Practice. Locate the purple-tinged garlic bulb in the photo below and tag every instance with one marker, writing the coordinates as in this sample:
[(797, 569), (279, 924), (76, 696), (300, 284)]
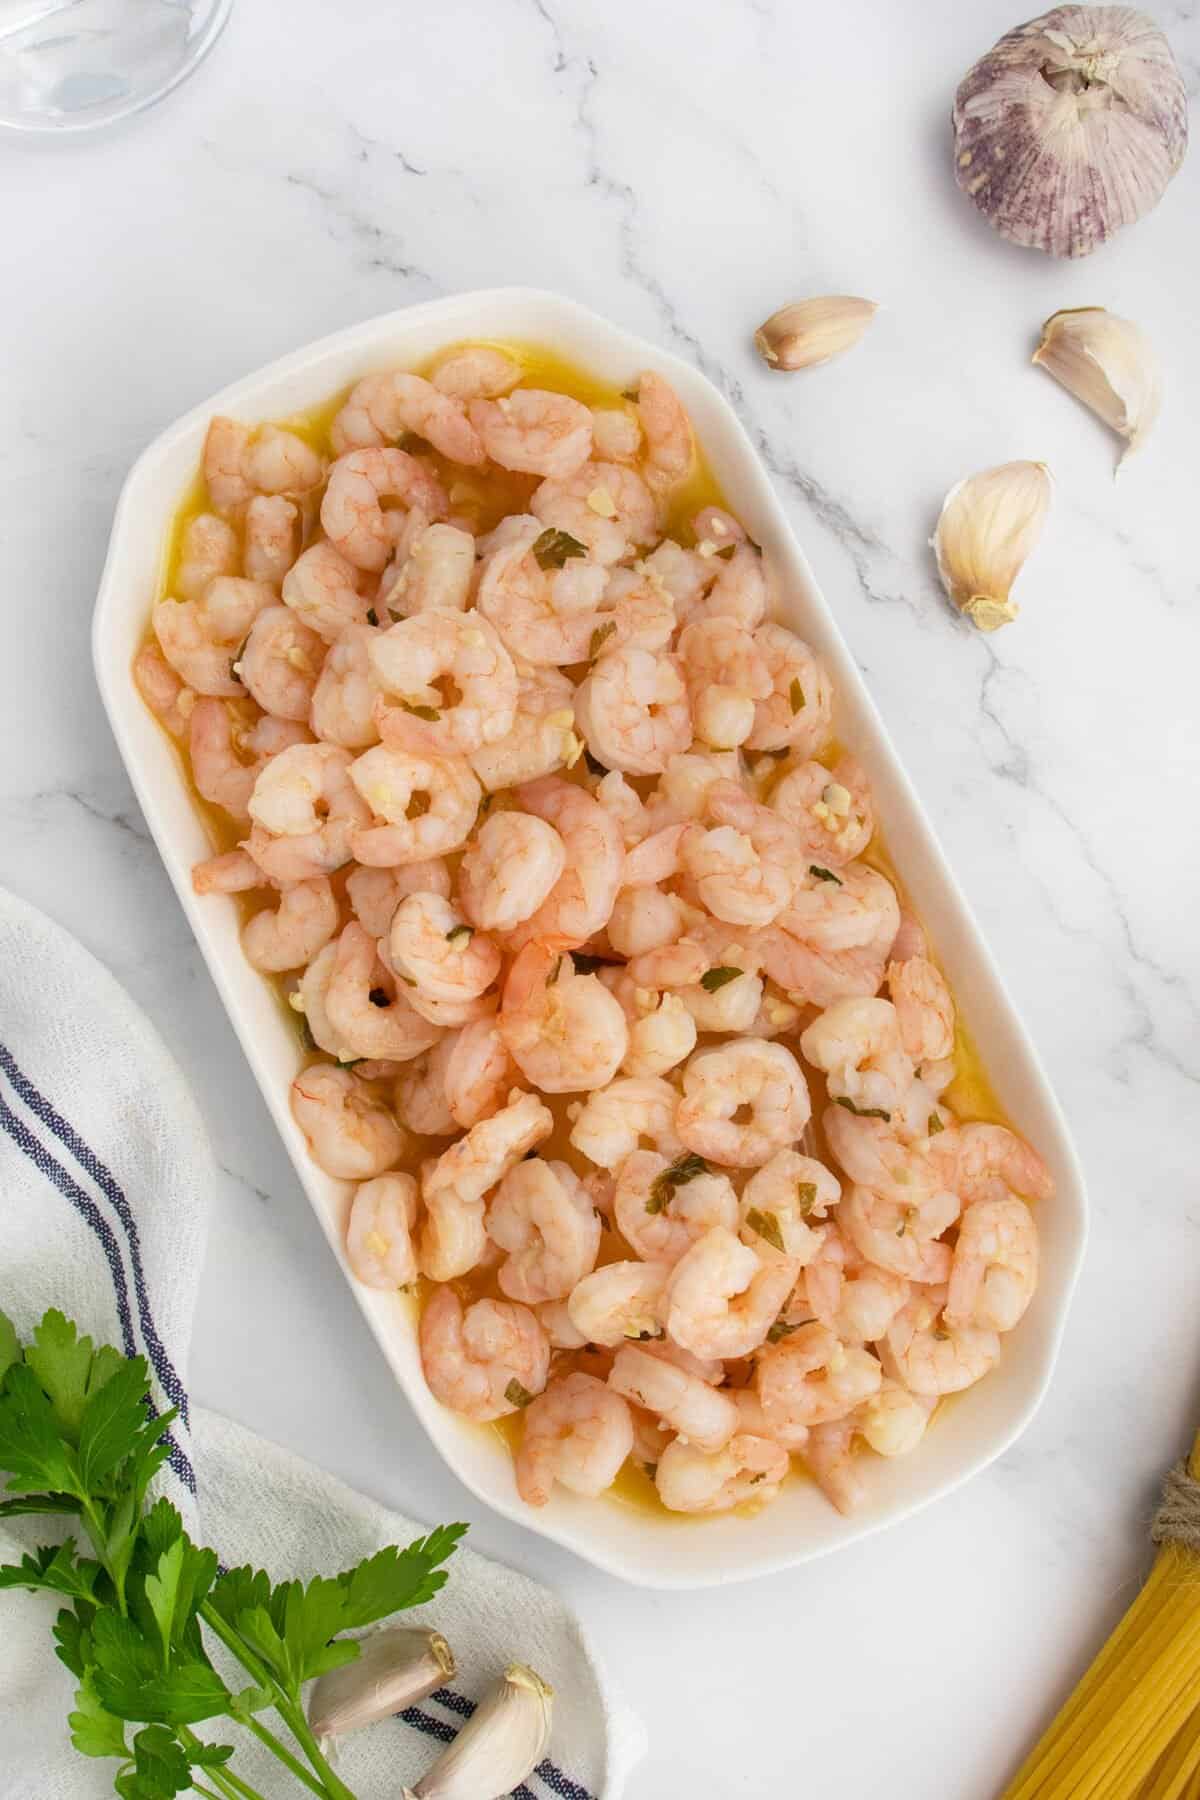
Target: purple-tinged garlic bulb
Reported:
[(1070, 127)]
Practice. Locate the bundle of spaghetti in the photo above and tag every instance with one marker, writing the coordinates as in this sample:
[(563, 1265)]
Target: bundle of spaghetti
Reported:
[(1131, 1729)]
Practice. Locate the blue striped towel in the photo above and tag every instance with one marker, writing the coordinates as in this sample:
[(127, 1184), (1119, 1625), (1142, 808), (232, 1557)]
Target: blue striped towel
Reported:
[(105, 1170)]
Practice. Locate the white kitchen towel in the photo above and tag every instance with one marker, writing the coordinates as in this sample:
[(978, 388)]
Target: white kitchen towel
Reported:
[(105, 1170)]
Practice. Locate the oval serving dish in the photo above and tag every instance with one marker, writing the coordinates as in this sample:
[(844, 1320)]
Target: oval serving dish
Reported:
[(652, 1549)]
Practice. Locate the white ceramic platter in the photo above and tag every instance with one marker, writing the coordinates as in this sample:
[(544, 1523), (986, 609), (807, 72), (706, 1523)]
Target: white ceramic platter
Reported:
[(636, 1544)]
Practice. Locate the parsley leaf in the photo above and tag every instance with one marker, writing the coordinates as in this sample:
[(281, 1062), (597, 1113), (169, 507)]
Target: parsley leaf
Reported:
[(863, 1112), (716, 978), (466, 932), (10, 1345), (131, 1682), (553, 548), (765, 1225), (160, 1764), (516, 1395), (31, 1446), (113, 1423), (685, 1168), (429, 713), (599, 638), (56, 1567), (796, 695), (821, 874), (62, 1363), (95, 1732)]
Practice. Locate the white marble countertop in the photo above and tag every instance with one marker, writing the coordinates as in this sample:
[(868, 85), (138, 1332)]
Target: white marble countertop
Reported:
[(685, 169)]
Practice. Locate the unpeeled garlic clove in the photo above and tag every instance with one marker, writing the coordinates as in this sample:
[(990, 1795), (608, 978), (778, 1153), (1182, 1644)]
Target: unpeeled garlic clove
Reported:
[(988, 525), (1108, 363), (808, 332), (502, 1742), (393, 1669)]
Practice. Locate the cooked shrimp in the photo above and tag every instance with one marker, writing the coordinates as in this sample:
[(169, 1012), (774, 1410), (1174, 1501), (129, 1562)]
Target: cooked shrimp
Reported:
[(289, 937), (660, 1040), (605, 506), (635, 610), (752, 1419), (858, 1306), (714, 527), (685, 575), (830, 809), (819, 977), (473, 1359), (200, 638), (541, 737), (305, 813), (781, 1204), (845, 913), (225, 447), (811, 1377), (379, 1245), (633, 712), (169, 698), (661, 1209), (555, 1321), (450, 1014), (872, 1154), (657, 856), (437, 573), (419, 1094), (208, 548), (565, 1031), (536, 432), (479, 1072), (900, 1235), (700, 1414), (544, 615), (741, 591), (829, 1458), (280, 663), (721, 1299), (928, 1355), (621, 1300), (543, 1216), (276, 461), (798, 713), (690, 1480), (616, 435), (375, 894), (745, 1073), (364, 1015), (344, 698), (581, 900), (428, 804), (667, 431), (489, 1149), (893, 1421), (381, 408), (322, 589), (727, 803), (725, 677), (924, 1009), (989, 1162), (578, 1433), (613, 1122), (232, 873), (644, 918), (508, 869), (352, 510), (221, 775), (733, 1007), (453, 1238), (995, 1268), (734, 881), (431, 943), (857, 1044), (476, 372), (271, 526), (350, 1135), (448, 684)]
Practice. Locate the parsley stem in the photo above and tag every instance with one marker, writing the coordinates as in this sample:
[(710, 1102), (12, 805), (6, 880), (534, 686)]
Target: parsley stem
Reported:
[(289, 1710)]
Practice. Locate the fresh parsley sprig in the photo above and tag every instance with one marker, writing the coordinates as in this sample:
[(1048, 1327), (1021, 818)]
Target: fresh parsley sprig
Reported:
[(79, 1438)]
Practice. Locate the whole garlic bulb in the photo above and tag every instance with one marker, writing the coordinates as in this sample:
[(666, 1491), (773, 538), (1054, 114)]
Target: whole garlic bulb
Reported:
[(1070, 127)]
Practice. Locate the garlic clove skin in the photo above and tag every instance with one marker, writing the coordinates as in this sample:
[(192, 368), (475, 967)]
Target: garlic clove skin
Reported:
[(806, 333), (988, 525), (1108, 363), (1071, 127), (502, 1742), (394, 1668)]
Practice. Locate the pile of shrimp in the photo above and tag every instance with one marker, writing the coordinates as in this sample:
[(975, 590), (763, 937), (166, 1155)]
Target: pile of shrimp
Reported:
[(553, 852)]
